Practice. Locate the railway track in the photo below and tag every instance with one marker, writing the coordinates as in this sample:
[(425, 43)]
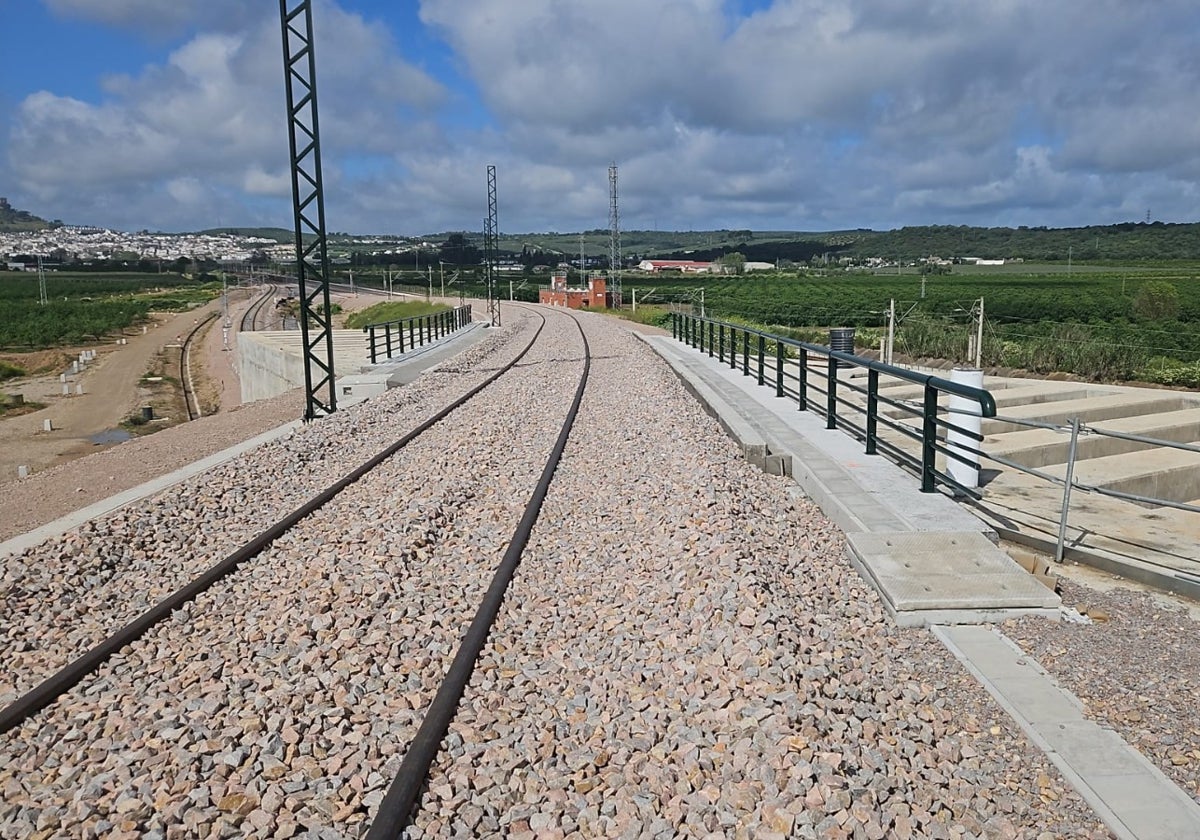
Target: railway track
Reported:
[(191, 401), (104, 661), (250, 318)]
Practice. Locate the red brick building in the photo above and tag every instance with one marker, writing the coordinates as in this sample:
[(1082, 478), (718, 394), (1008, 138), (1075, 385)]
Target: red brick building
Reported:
[(594, 296)]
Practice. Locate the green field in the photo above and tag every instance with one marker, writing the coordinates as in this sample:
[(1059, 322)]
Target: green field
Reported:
[(85, 307), (1102, 322), (382, 313)]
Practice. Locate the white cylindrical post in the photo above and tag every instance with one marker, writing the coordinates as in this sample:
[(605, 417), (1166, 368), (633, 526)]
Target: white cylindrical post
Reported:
[(79, 388), (75, 367), (66, 389), (62, 377), (964, 421), (47, 425), (22, 472)]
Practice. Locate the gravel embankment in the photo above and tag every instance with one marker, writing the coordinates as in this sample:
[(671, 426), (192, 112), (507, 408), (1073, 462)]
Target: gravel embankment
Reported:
[(45, 496), (683, 652), (1138, 672)]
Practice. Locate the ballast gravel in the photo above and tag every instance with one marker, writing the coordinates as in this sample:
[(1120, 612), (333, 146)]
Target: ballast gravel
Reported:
[(684, 651)]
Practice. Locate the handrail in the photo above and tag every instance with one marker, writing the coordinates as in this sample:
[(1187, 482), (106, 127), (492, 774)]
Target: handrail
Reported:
[(422, 329), (710, 334)]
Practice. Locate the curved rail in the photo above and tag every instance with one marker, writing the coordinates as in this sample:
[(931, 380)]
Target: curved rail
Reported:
[(185, 371), (251, 315), (397, 806), (54, 686)]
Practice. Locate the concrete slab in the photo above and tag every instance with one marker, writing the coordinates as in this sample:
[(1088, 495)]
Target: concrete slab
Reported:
[(929, 578), (1130, 794)]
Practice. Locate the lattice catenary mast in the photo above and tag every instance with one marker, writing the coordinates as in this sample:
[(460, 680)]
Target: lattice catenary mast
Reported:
[(614, 245), (308, 205), (491, 233)]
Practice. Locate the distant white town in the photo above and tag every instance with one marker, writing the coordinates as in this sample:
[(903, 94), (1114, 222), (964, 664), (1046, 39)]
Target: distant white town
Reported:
[(71, 244)]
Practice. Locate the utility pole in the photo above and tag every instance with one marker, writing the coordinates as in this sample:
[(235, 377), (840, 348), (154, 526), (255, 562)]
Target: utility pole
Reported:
[(430, 273), (979, 338), (634, 290), (42, 299), (352, 291), (891, 332), (442, 276), (922, 287), (702, 303)]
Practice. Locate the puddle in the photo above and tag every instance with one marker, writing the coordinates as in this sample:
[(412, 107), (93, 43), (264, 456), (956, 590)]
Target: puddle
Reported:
[(111, 436)]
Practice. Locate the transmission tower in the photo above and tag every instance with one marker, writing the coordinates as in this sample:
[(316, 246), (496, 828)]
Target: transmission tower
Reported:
[(308, 206), (614, 244), (491, 233)]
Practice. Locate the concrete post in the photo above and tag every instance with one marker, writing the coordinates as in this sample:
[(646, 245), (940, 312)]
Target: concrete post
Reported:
[(965, 419), (47, 425), (22, 472)]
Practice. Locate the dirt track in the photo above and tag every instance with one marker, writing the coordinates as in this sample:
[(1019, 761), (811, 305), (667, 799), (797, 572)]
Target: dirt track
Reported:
[(111, 386)]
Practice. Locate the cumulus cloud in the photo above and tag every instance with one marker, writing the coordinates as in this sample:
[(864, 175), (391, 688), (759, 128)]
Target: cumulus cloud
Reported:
[(208, 125), (805, 113)]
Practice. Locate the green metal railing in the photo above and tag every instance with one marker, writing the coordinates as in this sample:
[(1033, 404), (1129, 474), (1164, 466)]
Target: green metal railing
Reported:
[(794, 370), (398, 337)]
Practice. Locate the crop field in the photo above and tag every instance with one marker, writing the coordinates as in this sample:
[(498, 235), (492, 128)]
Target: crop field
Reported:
[(83, 307), (1102, 322)]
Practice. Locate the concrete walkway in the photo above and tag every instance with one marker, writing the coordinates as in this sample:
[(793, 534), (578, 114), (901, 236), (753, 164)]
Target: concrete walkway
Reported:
[(934, 564)]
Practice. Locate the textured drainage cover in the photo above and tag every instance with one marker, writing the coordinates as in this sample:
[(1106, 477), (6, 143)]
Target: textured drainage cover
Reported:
[(947, 571)]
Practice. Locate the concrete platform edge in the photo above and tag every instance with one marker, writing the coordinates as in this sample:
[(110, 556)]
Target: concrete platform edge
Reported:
[(148, 488), (987, 654)]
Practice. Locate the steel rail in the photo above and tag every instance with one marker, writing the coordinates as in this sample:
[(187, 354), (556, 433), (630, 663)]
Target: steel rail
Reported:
[(185, 370), (251, 315), (396, 809), (77, 670)]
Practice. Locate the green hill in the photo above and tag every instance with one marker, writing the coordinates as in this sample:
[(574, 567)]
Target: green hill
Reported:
[(13, 220)]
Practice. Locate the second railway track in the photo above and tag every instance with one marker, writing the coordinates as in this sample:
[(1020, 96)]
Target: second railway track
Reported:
[(462, 508)]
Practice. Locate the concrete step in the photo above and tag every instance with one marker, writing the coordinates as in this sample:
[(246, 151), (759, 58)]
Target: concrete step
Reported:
[(1161, 473), (1089, 409), (1038, 448), (1038, 394)]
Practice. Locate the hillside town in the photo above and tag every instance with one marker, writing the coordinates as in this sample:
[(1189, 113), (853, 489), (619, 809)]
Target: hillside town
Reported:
[(19, 251)]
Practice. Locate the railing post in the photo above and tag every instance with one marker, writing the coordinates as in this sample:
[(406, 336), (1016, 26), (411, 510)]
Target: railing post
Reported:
[(370, 330), (1060, 549), (721, 343), (387, 335), (802, 385), (710, 339), (778, 368), (761, 348), (732, 348), (831, 392), (872, 408), (929, 440), (674, 326), (746, 353)]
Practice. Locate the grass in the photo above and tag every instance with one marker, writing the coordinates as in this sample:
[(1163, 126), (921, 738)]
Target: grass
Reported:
[(381, 313), (10, 371)]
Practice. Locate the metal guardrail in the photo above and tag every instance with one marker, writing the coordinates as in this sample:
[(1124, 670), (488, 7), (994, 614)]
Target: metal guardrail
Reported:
[(1069, 483), (790, 367), (389, 336)]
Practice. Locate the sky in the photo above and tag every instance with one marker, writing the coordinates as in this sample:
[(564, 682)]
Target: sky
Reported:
[(762, 114)]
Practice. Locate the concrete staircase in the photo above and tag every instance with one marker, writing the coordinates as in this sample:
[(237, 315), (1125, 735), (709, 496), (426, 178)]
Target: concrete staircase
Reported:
[(1151, 543)]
